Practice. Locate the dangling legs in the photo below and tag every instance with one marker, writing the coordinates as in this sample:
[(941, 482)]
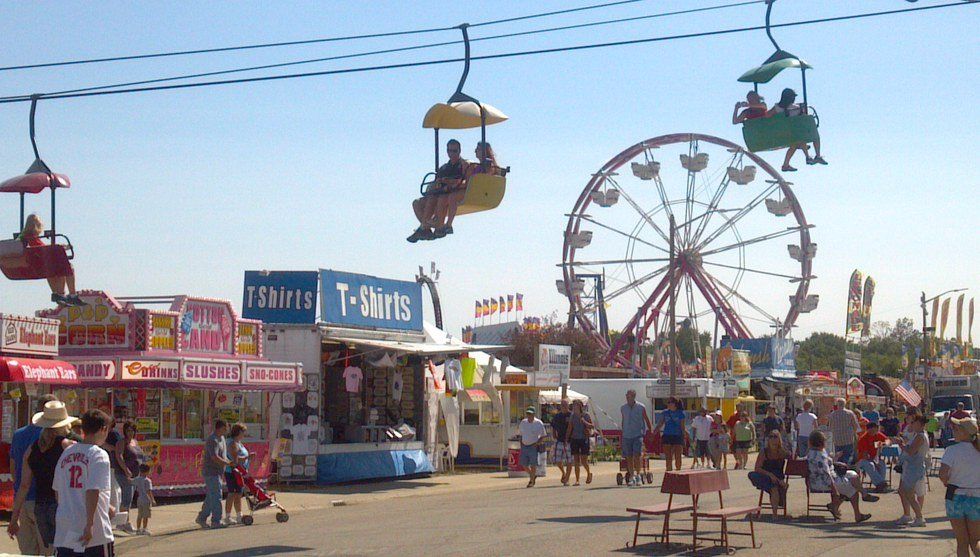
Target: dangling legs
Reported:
[(789, 155)]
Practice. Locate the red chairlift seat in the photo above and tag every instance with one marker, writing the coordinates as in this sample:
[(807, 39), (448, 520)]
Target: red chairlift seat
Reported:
[(33, 261)]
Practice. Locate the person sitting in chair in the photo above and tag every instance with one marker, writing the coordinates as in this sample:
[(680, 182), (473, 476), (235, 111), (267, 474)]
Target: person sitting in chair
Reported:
[(449, 203), (31, 237), (449, 178), (754, 105), (787, 107)]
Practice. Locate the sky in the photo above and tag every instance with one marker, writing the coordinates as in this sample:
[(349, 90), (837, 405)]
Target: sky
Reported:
[(179, 192)]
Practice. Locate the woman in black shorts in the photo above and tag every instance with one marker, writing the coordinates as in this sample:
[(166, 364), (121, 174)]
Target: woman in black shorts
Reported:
[(579, 430)]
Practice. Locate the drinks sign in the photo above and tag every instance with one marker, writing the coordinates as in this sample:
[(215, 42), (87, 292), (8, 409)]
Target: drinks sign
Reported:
[(150, 370), (206, 327), (28, 335)]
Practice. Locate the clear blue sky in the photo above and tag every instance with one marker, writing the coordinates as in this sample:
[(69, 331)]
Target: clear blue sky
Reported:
[(179, 192)]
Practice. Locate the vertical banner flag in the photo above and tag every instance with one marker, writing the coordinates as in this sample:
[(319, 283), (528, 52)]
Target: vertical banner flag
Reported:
[(935, 315), (478, 312), (943, 318), (510, 303), (520, 302), (869, 294), (493, 306), (854, 320), (486, 307), (969, 327), (503, 305), (959, 320)]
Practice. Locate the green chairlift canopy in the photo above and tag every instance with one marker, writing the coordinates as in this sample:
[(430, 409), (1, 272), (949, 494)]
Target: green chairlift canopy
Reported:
[(776, 63)]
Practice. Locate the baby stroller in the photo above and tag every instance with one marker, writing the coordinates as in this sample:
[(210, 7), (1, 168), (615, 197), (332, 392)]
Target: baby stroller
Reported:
[(257, 497)]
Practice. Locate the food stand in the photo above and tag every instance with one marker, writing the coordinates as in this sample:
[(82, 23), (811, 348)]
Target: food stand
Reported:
[(173, 372), (28, 368)]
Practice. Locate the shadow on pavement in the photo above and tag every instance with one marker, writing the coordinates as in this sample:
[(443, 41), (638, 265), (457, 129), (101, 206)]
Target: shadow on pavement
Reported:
[(881, 529), (589, 519), (261, 550), (656, 548)]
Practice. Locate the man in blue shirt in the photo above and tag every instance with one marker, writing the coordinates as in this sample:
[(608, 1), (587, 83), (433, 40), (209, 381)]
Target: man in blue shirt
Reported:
[(28, 538), (871, 414), (635, 424)]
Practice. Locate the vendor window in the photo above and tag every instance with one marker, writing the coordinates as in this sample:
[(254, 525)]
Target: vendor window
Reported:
[(254, 415), (194, 415)]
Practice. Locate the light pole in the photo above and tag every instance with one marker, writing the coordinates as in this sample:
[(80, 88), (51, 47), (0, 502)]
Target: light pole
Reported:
[(926, 345), (670, 311)]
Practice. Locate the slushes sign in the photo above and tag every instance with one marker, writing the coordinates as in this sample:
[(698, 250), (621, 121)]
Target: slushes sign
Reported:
[(370, 302), (280, 296)]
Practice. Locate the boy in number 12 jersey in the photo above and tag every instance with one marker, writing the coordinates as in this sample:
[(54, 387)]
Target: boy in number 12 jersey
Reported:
[(81, 479)]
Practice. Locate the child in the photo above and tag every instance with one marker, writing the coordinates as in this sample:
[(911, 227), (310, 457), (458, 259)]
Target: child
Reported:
[(144, 500), (724, 441), (81, 479)]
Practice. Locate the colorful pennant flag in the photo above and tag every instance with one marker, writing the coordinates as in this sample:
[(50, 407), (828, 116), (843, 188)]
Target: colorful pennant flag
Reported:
[(510, 303), (969, 327), (478, 312), (854, 308), (503, 305), (520, 302), (493, 306), (869, 294), (943, 318), (959, 320), (486, 307)]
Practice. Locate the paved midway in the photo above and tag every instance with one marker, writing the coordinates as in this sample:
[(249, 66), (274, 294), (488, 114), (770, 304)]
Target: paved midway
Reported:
[(489, 514)]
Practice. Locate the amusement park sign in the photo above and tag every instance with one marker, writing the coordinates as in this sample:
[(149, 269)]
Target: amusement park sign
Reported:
[(28, 335)]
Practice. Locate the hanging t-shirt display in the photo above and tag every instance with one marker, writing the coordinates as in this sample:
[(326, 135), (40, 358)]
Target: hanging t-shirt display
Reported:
[(352, 377), (397, 382), (454, 375)]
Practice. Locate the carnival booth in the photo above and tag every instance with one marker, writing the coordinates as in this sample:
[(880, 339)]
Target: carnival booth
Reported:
[(28, 369), (823, 388), (172, 372), (370, 409)]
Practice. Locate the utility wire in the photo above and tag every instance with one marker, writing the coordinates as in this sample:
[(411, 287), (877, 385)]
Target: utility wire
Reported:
[(307, 41), (26, 98), (391, 50)]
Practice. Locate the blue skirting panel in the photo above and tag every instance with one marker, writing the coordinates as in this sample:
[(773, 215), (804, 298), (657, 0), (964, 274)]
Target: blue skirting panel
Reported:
[(348, 467)]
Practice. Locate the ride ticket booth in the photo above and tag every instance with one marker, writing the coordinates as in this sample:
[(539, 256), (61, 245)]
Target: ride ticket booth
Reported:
[(28, 368), (172, 372)]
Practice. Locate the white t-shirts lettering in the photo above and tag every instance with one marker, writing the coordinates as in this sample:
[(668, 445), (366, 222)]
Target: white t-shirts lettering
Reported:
[(806, 422), (964, 468), (352, 378), (531, 431), (82, 467), (702, 427)]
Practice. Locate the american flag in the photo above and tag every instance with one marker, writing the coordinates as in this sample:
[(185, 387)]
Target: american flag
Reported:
[(906, 391)]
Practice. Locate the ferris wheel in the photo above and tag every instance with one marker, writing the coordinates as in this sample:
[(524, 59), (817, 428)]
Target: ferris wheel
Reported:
[(729, 214)]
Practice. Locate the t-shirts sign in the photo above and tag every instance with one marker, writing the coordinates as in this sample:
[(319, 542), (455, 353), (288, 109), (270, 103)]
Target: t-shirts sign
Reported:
[(280, 296), (370, 302)]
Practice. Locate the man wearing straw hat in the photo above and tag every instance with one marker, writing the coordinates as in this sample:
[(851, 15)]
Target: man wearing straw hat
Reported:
[(28, 538), (38, 472)]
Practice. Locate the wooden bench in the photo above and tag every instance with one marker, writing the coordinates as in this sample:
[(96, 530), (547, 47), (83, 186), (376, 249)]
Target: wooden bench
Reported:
[(662, 509), (733, 512)]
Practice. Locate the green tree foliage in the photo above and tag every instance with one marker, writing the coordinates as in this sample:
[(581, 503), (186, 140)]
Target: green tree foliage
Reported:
[(689, 352), (882, 354), (586, 350)]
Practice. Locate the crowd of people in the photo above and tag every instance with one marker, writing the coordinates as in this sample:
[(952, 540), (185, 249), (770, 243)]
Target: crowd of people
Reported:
[(76, 478)]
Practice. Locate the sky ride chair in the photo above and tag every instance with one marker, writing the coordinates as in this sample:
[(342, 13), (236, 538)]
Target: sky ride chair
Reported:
[(484, 191), (782, 130), (18, 259)]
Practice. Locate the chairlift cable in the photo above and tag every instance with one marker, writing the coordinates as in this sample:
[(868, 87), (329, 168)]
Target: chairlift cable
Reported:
[(25, 98), (394, 50), (306, 41)]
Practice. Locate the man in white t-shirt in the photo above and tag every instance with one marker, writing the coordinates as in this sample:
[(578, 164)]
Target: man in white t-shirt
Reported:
[(83, 525), (805, 423), (532, 431), (702, 434)]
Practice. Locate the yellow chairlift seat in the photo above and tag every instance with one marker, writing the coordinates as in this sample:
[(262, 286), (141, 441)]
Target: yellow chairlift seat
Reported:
[(483, 192), (461, 116)]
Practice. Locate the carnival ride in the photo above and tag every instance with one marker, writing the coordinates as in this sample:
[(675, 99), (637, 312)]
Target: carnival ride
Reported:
[(687, 215), (484, 191), (20, 260), (782, 130)]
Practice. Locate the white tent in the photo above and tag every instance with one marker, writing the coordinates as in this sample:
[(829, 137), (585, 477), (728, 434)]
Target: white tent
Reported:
[(554, 397)]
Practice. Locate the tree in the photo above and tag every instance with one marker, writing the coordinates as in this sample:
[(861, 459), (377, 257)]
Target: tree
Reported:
[(821, 351), (686, 346), (586, 350)]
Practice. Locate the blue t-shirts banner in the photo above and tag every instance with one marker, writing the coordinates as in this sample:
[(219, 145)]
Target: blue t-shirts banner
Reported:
[(280, 296), (370, 302)]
